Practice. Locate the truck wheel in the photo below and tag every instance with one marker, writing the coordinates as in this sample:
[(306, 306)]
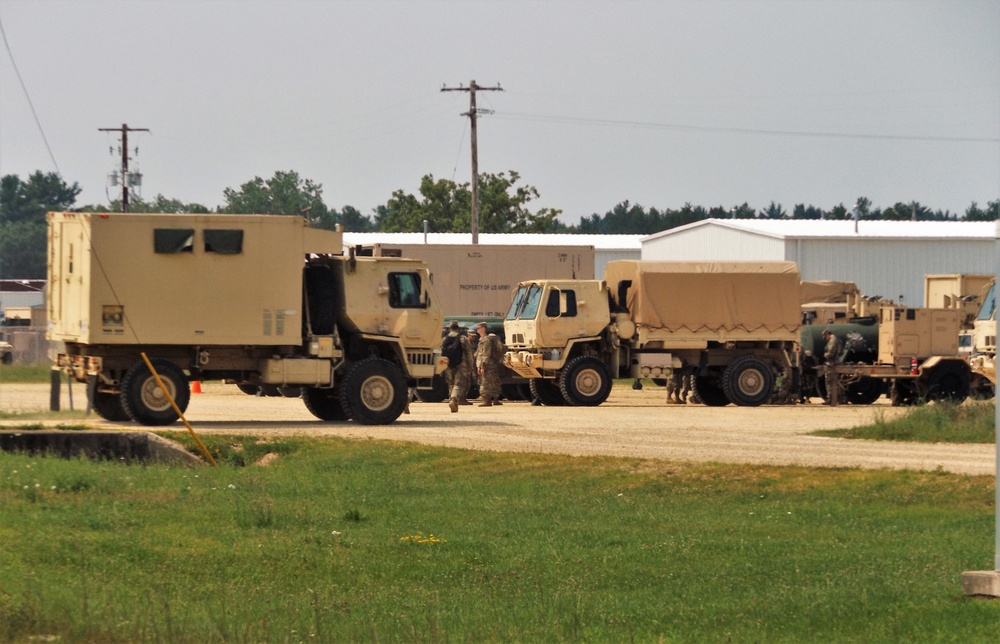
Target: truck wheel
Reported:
[(248, 389), (904, 393), (865, 391), (524, 390), (435, 395), (707, 389), (374, 392), (585, 382), (949, 382), (324, 403), (748, 381), (290, 392), (143, 399), (546, 391), (109, 406)]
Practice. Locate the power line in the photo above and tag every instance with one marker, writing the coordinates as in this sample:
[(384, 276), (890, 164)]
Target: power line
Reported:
[(546, 118), (24, 88)]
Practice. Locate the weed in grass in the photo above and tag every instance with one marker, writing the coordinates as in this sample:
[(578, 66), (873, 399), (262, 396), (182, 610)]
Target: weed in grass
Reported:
[(353, 515), (972, 422)]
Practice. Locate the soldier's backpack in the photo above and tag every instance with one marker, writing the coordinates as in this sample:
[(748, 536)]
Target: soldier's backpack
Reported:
[(451, 348)]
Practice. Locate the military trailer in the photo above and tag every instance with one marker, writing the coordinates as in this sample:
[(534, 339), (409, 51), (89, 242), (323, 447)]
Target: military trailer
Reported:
[(734, 326), (257, 300)]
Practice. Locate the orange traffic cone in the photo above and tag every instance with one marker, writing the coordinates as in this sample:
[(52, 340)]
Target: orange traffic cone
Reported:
[(196, 387)]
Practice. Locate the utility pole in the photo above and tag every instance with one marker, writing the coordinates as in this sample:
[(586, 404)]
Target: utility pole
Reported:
[(472, 114), (126, 177)]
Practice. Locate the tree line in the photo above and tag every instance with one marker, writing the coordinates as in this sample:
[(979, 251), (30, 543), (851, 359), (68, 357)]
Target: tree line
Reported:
[(505, 206)]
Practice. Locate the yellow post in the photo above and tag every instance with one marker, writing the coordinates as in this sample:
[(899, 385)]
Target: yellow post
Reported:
[(156, 376)]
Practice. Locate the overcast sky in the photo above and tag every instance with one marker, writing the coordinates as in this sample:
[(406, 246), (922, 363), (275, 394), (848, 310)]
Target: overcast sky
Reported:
[(659, 103)]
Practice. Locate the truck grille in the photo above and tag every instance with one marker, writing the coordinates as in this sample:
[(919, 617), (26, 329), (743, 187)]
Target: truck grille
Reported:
[(421, 357)]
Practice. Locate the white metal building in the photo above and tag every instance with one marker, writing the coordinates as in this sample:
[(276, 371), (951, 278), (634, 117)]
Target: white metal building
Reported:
[(887, 258), (606, 247)]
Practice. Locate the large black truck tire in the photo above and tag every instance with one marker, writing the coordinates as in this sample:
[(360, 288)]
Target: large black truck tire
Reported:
[(143, 399), (748, 382), (374, 392), (585, 382)]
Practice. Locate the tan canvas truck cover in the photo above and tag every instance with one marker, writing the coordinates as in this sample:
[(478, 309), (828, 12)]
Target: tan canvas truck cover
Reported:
[(710, 297), (814, 292), (179, 279)]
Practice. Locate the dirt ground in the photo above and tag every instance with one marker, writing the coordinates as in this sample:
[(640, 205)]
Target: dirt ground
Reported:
[(631, 423)]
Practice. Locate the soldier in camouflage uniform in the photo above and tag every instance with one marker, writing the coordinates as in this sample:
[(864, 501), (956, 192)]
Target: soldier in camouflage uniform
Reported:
[(489, 357), (831, 356), (469, 367), (457, 375), (674, 387)]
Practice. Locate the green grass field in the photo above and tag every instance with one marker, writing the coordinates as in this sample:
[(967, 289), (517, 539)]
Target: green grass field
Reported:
[(972, 422), (360, 540)]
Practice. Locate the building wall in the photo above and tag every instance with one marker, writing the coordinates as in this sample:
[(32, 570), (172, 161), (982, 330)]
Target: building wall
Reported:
[(602, 257), (889, 267), (713, 243)]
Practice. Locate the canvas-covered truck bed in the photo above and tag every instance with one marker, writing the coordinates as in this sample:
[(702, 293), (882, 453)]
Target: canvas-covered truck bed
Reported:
[(734, 300)]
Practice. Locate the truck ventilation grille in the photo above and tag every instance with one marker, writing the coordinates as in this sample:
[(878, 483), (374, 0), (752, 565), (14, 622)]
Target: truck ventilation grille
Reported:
[(518, 338), (423, 357)]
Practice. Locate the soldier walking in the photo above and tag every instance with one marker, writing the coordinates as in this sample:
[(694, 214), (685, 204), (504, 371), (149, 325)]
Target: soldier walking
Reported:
[(674, 387), (456, 348), (489, 357)]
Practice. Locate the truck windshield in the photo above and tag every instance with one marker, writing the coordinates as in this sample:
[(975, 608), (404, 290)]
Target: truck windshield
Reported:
[(987, 310), (531, 301), (516, 304)]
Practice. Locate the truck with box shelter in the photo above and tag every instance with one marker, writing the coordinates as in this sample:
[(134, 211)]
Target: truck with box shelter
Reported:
[(257, 300), (917, 360), (733, 326)]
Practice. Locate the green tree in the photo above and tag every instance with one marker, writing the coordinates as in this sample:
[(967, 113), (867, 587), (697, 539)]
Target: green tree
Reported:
[(23, 205), (159, 204), (447, 207), (286, 193), (990, 213), (774, 211)]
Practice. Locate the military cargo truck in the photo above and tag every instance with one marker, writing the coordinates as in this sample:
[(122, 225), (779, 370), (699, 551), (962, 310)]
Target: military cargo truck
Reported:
[(734, 326), (984, 343), (253, 299)]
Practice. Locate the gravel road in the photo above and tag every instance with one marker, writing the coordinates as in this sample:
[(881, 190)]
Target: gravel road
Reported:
[(631, 424)]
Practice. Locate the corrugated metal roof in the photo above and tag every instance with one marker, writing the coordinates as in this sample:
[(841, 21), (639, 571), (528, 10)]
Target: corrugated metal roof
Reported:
[(845, 229), (599, 242)]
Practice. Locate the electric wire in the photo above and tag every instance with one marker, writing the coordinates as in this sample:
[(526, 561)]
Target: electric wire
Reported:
[(570, 120), (461, 144), (27, 96)]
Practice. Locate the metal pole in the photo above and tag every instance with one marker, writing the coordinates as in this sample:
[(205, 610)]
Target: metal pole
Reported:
[(125, 177), (996, 421), (475, 164)]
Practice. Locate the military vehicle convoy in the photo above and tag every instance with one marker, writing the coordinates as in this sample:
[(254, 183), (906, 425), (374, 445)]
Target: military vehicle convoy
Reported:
[(733, 325), (257, 300)]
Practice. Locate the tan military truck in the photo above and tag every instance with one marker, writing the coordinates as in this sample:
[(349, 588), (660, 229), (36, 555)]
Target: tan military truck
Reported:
[(251, 299), (984, 344), (918, 357), (733, 325)]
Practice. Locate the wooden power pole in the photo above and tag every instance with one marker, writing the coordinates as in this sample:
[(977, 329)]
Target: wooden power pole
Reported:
[(126, 177), (472, 114)]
